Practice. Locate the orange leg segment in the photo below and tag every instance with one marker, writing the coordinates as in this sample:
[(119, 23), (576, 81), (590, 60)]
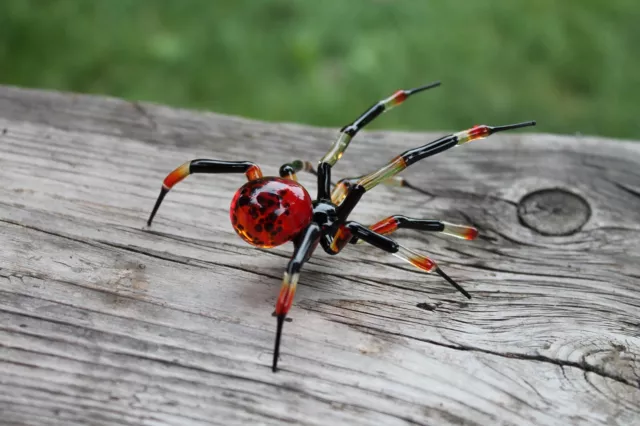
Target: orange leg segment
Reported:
[(251, 170)]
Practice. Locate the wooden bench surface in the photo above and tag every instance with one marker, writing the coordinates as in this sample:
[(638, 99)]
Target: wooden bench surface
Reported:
[(106, 322)]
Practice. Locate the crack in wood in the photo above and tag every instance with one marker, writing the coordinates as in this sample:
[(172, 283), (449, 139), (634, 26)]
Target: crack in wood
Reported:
[(584, 366)]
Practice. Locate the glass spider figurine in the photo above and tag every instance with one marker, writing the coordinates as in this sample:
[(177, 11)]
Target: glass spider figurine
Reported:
[(270, 211)]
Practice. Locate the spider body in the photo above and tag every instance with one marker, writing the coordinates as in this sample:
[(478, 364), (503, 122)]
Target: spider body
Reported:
[(270, 211)]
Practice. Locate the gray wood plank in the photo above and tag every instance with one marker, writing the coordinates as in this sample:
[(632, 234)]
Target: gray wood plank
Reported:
[(107, 322)]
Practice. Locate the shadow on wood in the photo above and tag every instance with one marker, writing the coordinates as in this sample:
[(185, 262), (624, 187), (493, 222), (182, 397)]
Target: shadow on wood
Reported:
[(107, 322)]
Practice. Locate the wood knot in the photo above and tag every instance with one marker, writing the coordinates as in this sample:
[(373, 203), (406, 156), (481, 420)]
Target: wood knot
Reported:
[(553, 211)]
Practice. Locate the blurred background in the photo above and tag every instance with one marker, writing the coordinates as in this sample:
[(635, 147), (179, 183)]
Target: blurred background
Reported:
[(574, 65)]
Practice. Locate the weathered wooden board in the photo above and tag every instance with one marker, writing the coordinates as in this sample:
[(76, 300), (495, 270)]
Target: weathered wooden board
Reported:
[(105, 322)]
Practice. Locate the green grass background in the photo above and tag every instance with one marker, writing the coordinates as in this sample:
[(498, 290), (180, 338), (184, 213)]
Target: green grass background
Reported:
[(574, 65)]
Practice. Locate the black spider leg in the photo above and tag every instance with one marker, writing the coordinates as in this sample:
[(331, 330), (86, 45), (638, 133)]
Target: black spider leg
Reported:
[(305, 244), (341, 189), (251, 170), (393, 223), (349, 131), (409, 157), (357, 190), (289, 170), (390, 246)]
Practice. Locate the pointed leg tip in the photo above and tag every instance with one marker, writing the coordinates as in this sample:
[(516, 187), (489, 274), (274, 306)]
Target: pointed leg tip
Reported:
[(163, 193), (276, 350), (495, 129), (429, 85), (463, 291), (151, 217), (453, 283), (422, 88)]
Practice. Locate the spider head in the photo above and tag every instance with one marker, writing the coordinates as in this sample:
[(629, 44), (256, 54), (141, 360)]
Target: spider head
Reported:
[(324, 214)]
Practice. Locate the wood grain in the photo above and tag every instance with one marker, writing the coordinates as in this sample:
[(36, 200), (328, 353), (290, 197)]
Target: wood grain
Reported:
[(106, 322)]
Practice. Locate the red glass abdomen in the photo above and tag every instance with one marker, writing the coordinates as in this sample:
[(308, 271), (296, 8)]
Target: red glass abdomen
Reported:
[(270, 211)]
